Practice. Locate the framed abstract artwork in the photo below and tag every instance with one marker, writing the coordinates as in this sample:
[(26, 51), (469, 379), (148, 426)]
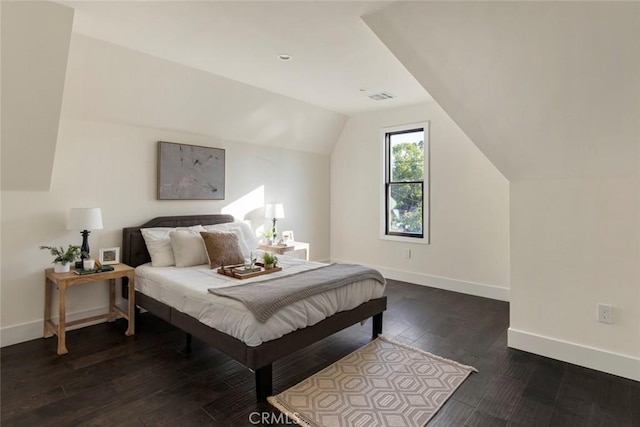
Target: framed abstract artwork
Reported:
[(190, 172)]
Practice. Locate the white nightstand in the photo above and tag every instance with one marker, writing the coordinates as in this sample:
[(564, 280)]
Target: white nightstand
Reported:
[(293, 249)]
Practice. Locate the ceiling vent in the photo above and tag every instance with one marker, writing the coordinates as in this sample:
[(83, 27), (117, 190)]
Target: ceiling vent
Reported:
[(380, 96)]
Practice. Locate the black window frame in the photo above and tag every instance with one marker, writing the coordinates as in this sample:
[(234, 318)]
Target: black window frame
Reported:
[(388, 183)]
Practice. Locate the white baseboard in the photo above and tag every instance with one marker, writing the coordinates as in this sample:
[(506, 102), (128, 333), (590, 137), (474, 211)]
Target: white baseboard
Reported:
[(470, 288), (16, 334), (581, 355)]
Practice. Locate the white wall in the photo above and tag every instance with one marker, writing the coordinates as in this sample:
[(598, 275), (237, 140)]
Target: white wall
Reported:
[(106, 157), (35, 42), (469, 248), (539, 88), (113, 166), (574, 245)]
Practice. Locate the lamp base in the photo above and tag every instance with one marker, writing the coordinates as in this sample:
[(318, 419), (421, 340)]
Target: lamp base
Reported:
[(273, 230), (84, 248)]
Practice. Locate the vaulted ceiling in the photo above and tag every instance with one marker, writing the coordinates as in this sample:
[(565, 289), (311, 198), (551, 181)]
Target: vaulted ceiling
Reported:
[(337, 61), (544, 89)]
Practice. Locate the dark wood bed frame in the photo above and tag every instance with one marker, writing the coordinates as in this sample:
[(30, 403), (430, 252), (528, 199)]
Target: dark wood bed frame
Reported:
[(259, 359)]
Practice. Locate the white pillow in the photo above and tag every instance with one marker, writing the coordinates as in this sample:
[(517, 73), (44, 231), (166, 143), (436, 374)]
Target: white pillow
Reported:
[(158, 244), (246, 237), (188, 248)]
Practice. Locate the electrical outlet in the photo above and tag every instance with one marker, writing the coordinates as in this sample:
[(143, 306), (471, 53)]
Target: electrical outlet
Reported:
[(605, 313), (407, 253)]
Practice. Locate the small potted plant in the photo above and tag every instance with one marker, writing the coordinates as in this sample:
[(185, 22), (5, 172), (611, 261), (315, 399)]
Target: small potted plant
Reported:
[(269, 260), (269, 235), (63, 259)]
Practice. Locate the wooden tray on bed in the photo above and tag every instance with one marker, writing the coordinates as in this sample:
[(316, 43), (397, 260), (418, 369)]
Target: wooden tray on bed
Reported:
[(238, 272)]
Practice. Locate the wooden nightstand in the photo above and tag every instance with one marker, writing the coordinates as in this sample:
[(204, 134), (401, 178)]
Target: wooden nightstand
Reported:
[(66, 280), (293, 249)]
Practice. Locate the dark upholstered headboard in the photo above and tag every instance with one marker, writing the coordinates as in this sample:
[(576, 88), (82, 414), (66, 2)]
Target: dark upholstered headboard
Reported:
[(134, 250)]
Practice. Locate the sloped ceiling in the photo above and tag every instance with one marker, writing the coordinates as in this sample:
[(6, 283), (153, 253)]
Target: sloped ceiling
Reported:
[(106, 82), (335, 54), (35, 44), (545, 89)]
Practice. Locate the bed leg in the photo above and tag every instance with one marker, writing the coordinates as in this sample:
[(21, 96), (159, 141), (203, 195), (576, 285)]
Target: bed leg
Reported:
[(264, 385), (377, 326), (187, 347)]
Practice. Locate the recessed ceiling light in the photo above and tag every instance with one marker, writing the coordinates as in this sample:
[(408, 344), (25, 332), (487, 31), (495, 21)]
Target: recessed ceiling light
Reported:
[(284, 57)]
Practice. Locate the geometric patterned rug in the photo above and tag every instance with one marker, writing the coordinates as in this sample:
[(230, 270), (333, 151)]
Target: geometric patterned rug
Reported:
[(385, 383)]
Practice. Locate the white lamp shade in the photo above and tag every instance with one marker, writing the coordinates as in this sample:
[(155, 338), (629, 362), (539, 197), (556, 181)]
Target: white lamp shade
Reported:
[(274, 210), (84, 219)]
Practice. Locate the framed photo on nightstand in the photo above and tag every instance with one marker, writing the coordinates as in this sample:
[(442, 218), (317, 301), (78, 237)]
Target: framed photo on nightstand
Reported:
[(109, 256), (287, 236)]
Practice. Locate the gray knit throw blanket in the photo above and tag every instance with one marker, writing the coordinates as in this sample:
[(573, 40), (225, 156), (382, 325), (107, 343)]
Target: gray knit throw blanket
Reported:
[(266, 297)]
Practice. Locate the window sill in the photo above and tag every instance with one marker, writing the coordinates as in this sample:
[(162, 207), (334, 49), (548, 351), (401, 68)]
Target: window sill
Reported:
[(419, 240)]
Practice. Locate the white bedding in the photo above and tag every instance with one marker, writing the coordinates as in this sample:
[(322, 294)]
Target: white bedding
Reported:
[(186, 290)]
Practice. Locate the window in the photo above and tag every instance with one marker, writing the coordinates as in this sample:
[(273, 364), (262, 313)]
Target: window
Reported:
[(406, 184)]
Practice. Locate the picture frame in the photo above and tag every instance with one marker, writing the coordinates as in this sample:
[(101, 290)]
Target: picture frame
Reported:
[(287, 236), (109, 256), (190, 172)]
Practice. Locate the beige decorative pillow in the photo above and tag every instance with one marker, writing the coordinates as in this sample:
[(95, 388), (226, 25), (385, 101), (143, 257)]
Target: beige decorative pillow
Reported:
[(222, 249), (188, 248)]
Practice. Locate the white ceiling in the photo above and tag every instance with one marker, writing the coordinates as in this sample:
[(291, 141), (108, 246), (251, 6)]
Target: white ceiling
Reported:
[(335, 55)]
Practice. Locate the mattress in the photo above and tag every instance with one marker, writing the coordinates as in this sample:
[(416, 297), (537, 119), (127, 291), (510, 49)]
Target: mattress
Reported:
[(186, 289)]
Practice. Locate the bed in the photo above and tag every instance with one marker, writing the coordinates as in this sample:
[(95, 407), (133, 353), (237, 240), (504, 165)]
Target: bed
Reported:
[(258, 358)]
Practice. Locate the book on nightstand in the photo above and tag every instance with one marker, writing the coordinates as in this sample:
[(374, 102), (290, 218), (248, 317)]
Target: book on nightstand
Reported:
[(102, 269)]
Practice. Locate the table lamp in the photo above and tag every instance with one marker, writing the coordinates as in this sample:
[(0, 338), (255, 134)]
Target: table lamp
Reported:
[(274, 211), (84, 219)]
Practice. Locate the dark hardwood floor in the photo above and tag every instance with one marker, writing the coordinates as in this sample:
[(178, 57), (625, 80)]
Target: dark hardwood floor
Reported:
[(110, 379)]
